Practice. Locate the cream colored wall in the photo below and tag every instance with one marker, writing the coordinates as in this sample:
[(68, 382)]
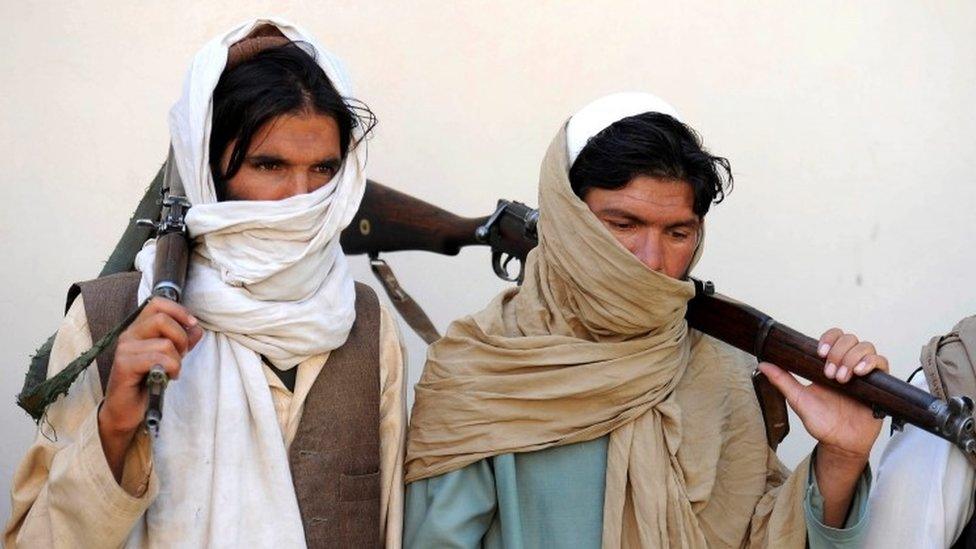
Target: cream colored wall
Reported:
[(850, 128)]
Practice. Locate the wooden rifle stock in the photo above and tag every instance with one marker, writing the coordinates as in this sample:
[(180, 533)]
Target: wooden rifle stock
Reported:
[(391, 221)]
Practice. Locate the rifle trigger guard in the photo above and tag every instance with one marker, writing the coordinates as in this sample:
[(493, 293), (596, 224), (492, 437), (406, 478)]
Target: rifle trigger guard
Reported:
[(499, 263)]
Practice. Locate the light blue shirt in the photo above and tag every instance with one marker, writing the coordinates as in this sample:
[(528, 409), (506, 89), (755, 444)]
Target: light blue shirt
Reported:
[(554, 498)]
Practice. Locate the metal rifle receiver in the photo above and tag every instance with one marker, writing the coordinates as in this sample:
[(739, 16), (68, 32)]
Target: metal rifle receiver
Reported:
[(511, 232)]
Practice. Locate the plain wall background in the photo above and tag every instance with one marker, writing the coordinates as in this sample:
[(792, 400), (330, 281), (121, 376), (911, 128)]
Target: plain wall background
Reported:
[(849, 126)]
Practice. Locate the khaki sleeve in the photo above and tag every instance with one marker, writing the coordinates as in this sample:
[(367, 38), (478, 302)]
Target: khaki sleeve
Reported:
[(779, 520), (393, 428), (64, 494)]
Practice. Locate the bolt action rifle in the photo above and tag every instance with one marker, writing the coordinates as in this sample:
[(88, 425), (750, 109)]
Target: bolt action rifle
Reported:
[(390, 221)]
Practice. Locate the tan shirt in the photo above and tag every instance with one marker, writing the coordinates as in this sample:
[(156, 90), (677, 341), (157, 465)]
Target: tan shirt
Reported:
[(64, 494)]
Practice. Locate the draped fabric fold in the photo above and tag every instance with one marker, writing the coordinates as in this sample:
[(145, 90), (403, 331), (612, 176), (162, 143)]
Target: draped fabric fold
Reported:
[(592, 344)]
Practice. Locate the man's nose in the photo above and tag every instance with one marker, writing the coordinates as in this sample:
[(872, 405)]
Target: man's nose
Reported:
[(301, 183), (649, 252)]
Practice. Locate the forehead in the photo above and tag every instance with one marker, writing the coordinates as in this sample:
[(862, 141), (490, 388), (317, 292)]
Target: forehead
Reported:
[(298, 136), (648, 198)]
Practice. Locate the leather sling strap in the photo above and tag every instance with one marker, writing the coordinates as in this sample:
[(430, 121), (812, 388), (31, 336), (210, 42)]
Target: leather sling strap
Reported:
[(108, 301), (409, 309)]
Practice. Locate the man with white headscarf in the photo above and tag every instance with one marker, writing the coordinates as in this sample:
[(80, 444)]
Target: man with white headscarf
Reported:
[(579, 410), (286, 424)]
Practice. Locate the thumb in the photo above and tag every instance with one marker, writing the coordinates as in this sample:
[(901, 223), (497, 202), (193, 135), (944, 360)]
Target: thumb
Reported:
[(195, 334), (782, 380)]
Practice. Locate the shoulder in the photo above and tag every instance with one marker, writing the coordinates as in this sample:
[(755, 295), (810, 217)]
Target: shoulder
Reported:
[(717, 388), (72, 339), (731, 367), (393, 354), (389, 330)]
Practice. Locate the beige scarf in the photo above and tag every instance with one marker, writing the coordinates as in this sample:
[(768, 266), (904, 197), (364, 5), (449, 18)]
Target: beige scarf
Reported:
[(595, 343)]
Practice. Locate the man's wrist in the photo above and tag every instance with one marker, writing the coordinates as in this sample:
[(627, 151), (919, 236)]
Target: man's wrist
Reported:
[(837, 472), (115, 440), (834, 461)]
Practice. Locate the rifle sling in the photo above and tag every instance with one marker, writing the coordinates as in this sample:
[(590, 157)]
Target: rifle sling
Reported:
[(409, 309), (772, 404)]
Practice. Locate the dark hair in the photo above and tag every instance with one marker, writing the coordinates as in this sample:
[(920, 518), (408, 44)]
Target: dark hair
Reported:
[(279, 80), (656, 145)]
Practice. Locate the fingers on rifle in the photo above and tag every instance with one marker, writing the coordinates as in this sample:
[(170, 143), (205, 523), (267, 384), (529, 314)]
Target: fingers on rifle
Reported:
[(138, 356), (195, 333), (171, 308), (871, 362), (835, 357), (159, 351), (853, 361), (827, 341), (162, 324), (782, 380)]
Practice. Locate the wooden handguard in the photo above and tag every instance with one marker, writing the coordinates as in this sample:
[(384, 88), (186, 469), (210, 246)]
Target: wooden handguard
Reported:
[(169, 271), (391, 221), (757, 333)]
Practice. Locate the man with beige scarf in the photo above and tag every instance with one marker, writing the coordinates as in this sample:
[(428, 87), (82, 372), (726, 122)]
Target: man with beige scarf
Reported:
[(579, 410)]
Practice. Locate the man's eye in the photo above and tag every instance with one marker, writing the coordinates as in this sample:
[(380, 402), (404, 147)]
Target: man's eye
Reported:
[(267, 166), (326, 169), (620, 225), (680, 235)]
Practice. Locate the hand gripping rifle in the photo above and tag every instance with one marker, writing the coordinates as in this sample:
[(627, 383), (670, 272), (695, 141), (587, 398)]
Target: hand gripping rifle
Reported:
[(390, 221), (169, 272), (169, 276)]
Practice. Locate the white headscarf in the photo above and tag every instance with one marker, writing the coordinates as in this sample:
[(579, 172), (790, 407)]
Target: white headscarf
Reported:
[(266, 278), (600, 113)]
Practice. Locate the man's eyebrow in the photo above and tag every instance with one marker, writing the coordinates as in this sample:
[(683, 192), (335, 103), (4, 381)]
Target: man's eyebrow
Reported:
[(332, 161), (620, 213), (261, 158), (691, 222)]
